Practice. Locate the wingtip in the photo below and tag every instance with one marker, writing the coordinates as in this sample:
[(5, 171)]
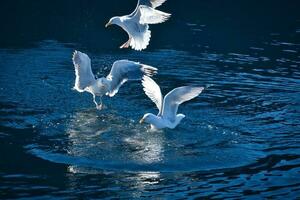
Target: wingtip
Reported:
[(195, 89), (76, 52), (208, 86), (79, 57), (149, 70), (198, 89), (75, 55)]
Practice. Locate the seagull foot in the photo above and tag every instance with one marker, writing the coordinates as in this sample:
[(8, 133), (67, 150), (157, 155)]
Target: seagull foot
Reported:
[(99, 107), (126, 44)]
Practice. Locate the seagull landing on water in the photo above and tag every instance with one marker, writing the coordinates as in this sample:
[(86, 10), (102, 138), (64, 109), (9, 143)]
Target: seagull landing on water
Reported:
[(121, 71), (136, 23), (167, 116)]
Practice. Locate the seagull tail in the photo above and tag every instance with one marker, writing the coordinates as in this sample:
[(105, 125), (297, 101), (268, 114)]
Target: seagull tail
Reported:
[(141, 41)]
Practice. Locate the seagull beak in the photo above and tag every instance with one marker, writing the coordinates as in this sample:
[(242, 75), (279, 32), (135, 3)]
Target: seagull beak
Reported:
[(108, 24), (142, 120)]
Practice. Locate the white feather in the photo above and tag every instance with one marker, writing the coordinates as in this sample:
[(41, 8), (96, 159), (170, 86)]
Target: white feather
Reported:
[(140, 40), (136, 23), (121, 71), (176, 97), (152, 16), (167, 116), (124, 70), (152, 90), (151, 3), (83, 71)]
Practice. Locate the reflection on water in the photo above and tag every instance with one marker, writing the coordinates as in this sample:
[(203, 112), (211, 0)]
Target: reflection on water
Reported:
[(147, 148), (142, 180), (99, 137)]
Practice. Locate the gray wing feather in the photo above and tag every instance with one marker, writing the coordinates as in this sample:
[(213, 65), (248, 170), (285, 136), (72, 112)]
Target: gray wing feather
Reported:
[(83, 71), (176, 97), (124, 70)]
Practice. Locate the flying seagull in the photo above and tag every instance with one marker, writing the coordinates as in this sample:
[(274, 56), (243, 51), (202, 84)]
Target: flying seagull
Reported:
[(167, 116), (121, 71), (136, 23)]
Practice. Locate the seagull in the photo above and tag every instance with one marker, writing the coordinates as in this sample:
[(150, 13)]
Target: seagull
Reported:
[(121, 71), (136, 23), (167, 116)]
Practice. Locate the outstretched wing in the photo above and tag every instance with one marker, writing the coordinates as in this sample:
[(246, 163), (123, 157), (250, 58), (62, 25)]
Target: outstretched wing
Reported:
[(83, 71), (139, 30), (149, 15), (151, 3), (124, 70), (176, 97), (152, 90)]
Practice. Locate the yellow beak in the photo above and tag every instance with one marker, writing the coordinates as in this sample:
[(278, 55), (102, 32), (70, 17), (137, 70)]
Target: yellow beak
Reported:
[(142, 121), (108, 24)]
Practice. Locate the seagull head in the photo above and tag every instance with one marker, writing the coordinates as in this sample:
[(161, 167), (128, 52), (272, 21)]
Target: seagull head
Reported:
[(113, 20), (148, 118)]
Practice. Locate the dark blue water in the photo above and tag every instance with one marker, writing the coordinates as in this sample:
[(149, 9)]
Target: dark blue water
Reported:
[(240, 138)]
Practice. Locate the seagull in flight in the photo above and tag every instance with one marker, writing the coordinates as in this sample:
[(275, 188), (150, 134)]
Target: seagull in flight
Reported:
[(121, 71), (136, 23), (167, 116)]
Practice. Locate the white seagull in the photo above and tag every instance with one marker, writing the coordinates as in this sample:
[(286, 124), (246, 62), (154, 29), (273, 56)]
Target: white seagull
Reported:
[(121, 71), (167, 116), (136, 23)]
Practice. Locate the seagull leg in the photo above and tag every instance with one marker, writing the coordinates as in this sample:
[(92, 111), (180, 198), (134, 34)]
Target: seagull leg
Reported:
[(94, 100), (100, 106), (126, 44)]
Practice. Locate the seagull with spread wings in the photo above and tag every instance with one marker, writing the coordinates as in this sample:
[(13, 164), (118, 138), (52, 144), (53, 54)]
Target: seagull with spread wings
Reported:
[(121, 71), (167, 116), (136, 23)]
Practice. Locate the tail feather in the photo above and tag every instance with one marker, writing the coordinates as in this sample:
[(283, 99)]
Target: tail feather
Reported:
[(141, 41)]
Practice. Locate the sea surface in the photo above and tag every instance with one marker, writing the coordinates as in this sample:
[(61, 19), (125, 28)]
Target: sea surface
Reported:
[(240, 138)]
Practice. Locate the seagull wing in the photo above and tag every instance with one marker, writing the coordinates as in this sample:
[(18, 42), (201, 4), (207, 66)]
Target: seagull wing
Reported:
[(138, 29), (151, 3), (176, 97), (83, 71), (124, 70), (149, 15), (152, 90)]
